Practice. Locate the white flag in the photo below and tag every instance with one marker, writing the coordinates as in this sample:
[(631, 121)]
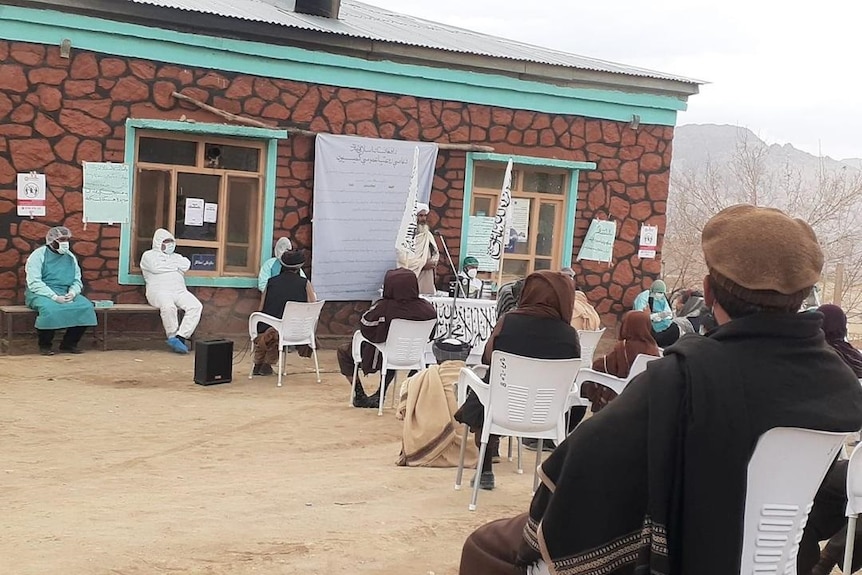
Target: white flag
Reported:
[(500, 233), (407, 230)]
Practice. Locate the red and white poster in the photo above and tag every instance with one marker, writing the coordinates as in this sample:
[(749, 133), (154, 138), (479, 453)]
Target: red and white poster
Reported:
[(31, 194), (648, 242)]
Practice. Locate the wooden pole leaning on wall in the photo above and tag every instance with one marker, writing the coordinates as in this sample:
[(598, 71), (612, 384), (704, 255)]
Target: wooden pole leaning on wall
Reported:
[(302, 132)]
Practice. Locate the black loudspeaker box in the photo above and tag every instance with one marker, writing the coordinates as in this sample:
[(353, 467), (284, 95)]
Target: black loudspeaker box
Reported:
[(213, 361)]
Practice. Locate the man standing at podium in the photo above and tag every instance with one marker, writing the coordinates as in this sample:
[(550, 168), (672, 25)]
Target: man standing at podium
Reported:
[(425, 255)]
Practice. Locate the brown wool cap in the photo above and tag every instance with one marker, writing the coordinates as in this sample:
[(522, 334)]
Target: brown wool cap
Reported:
[(761, 250)]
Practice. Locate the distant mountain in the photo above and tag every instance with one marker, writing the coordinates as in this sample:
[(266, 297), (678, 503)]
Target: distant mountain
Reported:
[(696, 144)]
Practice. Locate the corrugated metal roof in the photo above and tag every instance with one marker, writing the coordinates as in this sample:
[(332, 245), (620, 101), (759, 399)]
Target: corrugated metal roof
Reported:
[(360, 20)]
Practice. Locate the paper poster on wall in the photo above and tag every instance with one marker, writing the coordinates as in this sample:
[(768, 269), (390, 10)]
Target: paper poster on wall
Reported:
[(648, 242), (210, 213), (360, 193), (519, 223), (107, 193), (599, 243), (477, 242), (194, 214), (31, 194)]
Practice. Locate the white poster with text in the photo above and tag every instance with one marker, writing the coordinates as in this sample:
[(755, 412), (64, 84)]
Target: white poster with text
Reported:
[(360, 190)]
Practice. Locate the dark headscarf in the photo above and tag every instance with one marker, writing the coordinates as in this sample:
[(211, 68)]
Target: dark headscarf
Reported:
[(635, 338), (835, 329), (547, 294), (400, 301)]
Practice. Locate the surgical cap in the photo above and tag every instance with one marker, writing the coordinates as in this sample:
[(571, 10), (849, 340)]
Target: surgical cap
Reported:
[(422, 208), (56, 233), (281, 246)]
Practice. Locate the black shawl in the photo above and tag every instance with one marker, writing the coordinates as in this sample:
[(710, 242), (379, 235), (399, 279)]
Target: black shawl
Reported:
[(655, 482)]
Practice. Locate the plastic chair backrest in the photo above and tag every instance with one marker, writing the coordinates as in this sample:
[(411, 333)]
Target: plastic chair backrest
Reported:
[(854, 482), (405, 342), (589, 340), (527, 394), (640, 363), (299, 321), (785, 471)]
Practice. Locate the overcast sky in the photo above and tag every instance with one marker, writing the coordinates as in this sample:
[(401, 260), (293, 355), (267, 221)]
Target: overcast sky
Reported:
[(792, 74)]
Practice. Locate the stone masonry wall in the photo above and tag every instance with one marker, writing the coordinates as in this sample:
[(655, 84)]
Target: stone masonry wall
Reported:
[(56, 113)]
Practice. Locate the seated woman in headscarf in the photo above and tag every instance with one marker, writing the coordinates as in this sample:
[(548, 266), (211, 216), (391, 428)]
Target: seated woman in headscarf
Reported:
[(400, 301), (584, 316), (835, 329), (507, 297), (428, 403), (272, 266), (635, 338), (539, 327)]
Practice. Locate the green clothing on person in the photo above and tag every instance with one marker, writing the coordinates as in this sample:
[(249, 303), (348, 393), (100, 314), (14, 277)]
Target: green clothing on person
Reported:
[(49, 274)]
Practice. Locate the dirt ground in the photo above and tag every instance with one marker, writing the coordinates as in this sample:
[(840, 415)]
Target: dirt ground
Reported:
[(117, 463)]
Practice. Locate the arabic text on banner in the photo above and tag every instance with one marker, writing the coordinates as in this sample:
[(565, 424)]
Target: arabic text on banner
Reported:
[(360, 190), (107, 192), (599, 243)]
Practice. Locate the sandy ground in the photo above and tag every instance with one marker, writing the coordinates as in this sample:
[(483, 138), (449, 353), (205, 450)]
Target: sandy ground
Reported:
[(117, 463)]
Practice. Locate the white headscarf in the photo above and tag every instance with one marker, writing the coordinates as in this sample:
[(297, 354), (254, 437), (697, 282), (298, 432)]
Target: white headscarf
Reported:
[(281, 246)]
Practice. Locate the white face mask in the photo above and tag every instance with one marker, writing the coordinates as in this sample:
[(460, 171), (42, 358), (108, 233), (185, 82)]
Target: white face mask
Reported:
[(169, 248), (63, 247), (472, 272)]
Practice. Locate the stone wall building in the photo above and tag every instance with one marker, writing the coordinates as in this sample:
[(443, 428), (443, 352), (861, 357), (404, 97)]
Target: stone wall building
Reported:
[(81, 84)]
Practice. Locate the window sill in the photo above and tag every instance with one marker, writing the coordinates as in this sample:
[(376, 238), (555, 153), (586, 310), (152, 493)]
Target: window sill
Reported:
[(198, 281)]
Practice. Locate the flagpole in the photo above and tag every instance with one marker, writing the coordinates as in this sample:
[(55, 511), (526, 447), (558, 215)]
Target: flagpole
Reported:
[(502, 221)]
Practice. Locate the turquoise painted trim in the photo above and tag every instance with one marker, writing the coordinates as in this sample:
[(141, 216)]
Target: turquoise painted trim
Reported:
[(268, 202), (272, 137), (571, 213), (466, 209), (534, 161), (571, 194), (125, 278), (228, 130), (286, 62)]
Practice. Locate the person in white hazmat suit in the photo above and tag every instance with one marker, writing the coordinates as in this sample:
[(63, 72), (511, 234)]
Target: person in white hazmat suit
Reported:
[(164, 273)]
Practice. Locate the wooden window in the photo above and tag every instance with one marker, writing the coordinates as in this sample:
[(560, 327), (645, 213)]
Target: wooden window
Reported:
[(539, 202), (174, 175)]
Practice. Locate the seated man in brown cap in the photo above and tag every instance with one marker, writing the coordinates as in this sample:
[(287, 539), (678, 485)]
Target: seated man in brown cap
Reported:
[(612, 499), (287, 286)]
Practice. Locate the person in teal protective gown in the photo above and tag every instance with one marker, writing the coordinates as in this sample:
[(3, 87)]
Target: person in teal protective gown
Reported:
[(54, 292)]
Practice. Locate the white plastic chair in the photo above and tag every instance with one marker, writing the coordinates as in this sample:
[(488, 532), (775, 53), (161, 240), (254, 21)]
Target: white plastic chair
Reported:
[(297, 326), (404, 349), (589, 340), (525, 398), (854, 504), (784, 473), (617, 384)]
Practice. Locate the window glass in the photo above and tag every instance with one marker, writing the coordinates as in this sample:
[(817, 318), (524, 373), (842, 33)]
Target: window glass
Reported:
[(194, 191), (152, 209), (544, 183), (232, 157), (167, 151)]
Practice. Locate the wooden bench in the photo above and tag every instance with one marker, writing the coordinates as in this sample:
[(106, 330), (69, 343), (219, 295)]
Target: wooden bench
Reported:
[(102, 313)]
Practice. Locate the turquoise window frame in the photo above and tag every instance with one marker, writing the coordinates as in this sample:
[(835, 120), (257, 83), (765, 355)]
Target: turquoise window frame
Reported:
[(573, 168), (270, 136)]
